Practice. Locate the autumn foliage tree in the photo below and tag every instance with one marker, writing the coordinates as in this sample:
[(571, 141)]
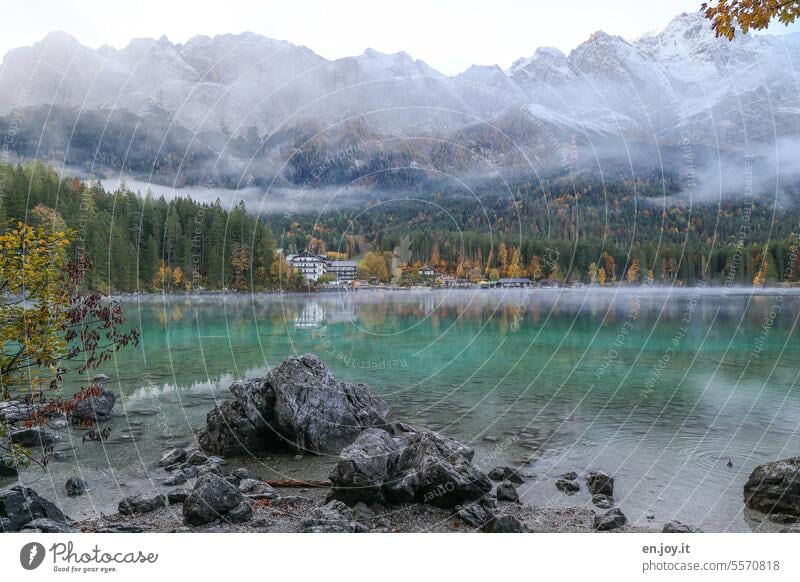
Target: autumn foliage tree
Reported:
[(727, 16), (48, 324)]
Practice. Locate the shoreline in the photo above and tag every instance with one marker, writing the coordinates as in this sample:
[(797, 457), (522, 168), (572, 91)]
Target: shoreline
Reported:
[(720, 290)]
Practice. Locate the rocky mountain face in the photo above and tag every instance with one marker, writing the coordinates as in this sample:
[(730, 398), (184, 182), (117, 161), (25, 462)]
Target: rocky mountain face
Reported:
[(244, 101)]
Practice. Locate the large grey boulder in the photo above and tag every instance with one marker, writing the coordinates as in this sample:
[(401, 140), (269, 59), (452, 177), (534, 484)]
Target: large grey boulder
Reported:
[(775, 487), (20, 505), (215, 498), (95, 407), (299, 405), (365, 467), (229, 432), (419, 466)]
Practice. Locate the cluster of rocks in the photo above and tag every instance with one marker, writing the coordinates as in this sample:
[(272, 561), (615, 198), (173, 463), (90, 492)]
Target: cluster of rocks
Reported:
[(98, 406), (600, 486), (184, 464)]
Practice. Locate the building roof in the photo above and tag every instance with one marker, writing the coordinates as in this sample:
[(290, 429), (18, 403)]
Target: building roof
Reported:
[(515, 280), (343, 264)]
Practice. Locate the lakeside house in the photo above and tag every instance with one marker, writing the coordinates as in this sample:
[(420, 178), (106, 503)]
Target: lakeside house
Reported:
[(311, 266), (427, 271), (515, 282), (345, 271), (549, 284)]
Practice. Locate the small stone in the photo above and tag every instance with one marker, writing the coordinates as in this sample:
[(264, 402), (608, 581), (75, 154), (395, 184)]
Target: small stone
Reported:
[(507, 492), (239, 514), (257, 489), (783, 518), (177, 496), (189, 472), (600, 482), (172, 457), (140, 504), (650, 516), (602, 501), (506, 524), (175, 478), (570, 476), (244, 473), (611, 520), (196, 458), (676, 526), (476, 514), (491, 439), (44, 525), (506, 474), (209, 468), (298, 457), (75, 486), (567, 487)]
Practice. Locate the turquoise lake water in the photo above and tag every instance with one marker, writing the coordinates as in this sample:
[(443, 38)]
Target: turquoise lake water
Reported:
[(658, 388)]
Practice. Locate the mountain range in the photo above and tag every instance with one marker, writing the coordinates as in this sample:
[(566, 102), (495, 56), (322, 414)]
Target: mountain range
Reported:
[(247, 109)]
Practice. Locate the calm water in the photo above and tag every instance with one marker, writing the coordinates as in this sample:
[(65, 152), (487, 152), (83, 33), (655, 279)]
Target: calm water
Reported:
[(659, 390)]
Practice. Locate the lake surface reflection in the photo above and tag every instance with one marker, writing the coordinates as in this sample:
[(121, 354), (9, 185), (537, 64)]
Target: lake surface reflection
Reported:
[(658, 388)]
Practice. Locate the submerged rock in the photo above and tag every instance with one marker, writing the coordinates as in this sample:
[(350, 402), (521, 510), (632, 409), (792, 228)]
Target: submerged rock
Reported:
[(422, 466), (775, 487), (33, 437), (215, 498), (299, 405), (95, 407), (20, 505), (8, 466), (75, 486)]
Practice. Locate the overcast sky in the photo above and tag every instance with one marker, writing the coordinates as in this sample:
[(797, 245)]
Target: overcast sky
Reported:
[(449, 35)]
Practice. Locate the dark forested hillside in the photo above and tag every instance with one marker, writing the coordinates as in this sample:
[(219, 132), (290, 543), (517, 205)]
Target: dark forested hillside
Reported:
[(144, 243), (570, 228)]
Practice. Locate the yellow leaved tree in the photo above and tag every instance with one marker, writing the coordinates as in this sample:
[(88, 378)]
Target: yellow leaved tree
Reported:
[(47, 322), (727, 16)]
